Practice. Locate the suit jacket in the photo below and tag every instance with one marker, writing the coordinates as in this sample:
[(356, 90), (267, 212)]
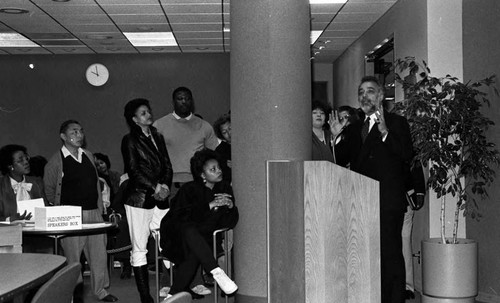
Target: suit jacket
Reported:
[(384, 161), (8, 203)]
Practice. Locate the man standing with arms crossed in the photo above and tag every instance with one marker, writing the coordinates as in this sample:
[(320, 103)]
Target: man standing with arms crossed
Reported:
[(184, 134), (71, 179)]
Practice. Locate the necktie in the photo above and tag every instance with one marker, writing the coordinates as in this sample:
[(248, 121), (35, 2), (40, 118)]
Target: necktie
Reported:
[(365, 129)]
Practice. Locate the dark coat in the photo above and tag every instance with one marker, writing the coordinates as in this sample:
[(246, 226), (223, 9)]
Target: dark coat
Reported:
[(8, 203), (379, 160), (190, 207), (146, 166)]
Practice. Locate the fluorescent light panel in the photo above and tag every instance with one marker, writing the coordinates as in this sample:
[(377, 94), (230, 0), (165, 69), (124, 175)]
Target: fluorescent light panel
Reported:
[(15, 40), (315, 35), (327, 1), (151, 39)]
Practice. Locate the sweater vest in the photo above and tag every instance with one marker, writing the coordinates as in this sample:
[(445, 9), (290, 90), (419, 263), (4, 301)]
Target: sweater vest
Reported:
[(79, 183)]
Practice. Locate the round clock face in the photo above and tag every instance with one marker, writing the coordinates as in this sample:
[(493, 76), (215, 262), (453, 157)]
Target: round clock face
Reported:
[(97, 74)]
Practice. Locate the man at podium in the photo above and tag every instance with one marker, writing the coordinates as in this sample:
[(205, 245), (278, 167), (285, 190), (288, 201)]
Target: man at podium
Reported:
[(377, 146)]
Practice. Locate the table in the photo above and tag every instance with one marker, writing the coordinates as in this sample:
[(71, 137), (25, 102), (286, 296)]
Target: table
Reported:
[(23, 272), (87, 229)]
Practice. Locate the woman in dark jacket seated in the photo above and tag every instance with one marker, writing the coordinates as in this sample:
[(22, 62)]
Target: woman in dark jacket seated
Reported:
[(15, 185), (199, 208)]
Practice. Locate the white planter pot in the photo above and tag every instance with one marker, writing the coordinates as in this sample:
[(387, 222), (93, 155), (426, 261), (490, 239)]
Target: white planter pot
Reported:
[(449, 271)]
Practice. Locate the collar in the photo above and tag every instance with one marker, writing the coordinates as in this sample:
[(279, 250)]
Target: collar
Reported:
[(373, 118), (14, 182), (177, 117), (65, 151)]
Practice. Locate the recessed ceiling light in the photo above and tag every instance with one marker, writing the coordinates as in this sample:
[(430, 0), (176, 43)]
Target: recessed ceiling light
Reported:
[(202, 48), (13, 10), (15, 40), (226, 29), (157, 49), (151, 39), (315, 35), (327, 1)]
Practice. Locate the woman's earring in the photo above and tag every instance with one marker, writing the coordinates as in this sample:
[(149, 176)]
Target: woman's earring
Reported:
[(12, 168), (204, 180)]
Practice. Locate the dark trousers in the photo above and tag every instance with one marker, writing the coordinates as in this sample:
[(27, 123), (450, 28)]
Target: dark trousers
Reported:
[(392, 261), (196, 250)]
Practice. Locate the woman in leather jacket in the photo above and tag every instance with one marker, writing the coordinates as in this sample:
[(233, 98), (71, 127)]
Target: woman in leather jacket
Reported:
[(149, 170)]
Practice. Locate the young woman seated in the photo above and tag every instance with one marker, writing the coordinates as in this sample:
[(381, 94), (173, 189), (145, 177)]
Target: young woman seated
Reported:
[(199, 208), (15, 184)]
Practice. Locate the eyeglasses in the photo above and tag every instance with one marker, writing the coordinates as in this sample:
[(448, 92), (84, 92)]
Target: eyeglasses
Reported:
[(342, 118), (22, 159)]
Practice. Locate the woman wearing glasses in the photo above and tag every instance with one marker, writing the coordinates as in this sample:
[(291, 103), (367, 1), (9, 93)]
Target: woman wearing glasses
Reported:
[(15, 185)]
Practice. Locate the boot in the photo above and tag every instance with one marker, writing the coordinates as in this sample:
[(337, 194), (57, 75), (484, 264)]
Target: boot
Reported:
[(142, 280), (126, 270)]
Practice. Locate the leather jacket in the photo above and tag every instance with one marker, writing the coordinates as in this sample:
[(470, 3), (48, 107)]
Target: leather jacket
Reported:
[(146, 166)]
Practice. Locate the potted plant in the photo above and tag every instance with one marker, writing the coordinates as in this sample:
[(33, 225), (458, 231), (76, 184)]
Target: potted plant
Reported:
[(449, 132)]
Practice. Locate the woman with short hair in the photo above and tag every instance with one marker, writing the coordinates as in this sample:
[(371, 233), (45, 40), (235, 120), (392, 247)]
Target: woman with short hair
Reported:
[(15, 184), (149, 170), (199, 208)]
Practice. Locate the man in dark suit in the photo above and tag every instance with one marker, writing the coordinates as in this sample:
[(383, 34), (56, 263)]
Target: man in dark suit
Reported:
[(379, 146)]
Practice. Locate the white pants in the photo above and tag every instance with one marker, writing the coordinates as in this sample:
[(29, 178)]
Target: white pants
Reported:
[(407, 249), (140, 224)]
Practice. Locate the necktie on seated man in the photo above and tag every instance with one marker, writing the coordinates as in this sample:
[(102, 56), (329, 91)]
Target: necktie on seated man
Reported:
[(365, 129)]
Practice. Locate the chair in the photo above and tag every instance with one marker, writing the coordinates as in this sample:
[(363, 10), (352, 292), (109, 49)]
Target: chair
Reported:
[(227, 246), (59, 289), (181, 297), (156, 235)]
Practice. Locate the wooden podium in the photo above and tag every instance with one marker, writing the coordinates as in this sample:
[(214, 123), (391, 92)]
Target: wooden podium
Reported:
[(323, 234)]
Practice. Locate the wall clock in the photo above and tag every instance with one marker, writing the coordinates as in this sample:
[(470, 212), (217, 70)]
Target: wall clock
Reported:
[(97, 74)]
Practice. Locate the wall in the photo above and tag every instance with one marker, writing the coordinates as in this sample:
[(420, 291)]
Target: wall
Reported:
[(323, 72), (482, 59), (407, 21), (56, 90)]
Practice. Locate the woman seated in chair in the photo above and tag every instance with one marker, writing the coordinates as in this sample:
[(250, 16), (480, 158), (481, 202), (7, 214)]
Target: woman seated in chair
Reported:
[(15, 185), (199, 208)]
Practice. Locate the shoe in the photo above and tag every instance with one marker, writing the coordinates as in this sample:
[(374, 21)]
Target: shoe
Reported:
[(164, 291), (225, 283), (201, 290), (409, 295), (109, 298), (194, 295)]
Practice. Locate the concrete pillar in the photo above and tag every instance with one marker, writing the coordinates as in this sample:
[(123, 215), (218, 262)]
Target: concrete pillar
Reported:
[(445, 56), (270, 118)]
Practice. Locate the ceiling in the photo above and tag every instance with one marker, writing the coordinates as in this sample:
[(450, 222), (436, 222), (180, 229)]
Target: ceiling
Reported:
[(201, 26)]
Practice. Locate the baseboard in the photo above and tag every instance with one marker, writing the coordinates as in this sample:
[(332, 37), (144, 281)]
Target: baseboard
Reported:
[(487, 298)]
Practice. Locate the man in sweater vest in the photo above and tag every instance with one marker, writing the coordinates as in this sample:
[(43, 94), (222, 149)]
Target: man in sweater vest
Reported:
[(71, 179), (184, 134)]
